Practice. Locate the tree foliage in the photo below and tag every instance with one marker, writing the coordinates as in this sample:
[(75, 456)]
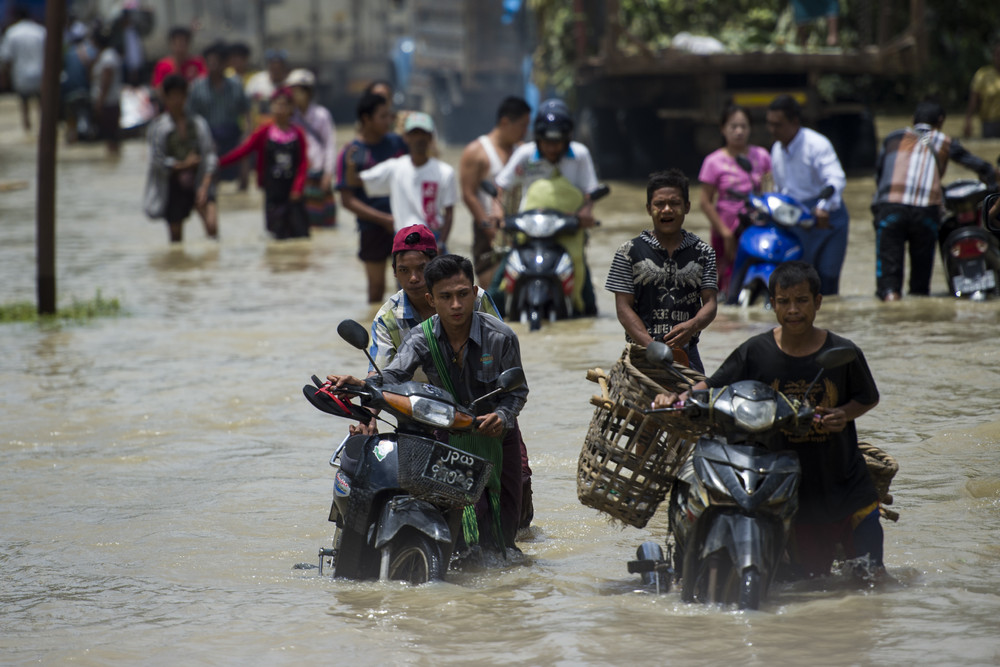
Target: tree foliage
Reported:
[(958, 35)]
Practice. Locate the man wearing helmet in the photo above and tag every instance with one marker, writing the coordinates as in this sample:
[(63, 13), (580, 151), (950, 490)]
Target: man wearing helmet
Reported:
[(556, 172)]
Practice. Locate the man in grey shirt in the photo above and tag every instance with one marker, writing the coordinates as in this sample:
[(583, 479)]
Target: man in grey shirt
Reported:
[(476, 348)]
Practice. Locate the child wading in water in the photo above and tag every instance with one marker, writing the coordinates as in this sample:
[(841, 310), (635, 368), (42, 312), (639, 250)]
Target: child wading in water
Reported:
[(281, 168), (182, 163)]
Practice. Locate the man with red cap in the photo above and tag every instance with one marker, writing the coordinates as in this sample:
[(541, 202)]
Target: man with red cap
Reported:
[(412, 248)]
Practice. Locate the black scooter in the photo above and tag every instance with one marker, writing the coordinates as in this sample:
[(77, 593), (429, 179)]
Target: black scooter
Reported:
[(398, 497), (734, 499), (970, 254), (538, 272)]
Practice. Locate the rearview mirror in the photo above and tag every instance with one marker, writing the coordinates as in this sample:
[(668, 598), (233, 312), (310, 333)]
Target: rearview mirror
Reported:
[(659, 354), (489, 188), (836, 357), (511, 379), (600, 192), (991, 213), (827, 192), (353, 333)]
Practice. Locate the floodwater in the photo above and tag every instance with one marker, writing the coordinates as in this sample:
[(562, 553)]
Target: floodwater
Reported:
[(161, 474)]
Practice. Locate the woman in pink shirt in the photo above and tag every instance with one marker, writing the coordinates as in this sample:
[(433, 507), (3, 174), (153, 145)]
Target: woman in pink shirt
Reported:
[(724, 184), (282, 166)]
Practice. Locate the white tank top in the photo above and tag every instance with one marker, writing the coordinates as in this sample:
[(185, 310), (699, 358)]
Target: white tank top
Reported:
[(495, 166)]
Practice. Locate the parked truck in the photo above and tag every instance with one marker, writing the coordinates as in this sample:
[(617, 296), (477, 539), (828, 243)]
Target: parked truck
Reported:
[(646, 109)]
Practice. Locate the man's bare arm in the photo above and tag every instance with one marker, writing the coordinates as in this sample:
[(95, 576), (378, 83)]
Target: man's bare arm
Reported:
[(630, 320)]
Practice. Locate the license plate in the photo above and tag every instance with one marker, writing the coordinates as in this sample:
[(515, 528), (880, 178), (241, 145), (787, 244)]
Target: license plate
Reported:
[(451, 467), (986, 281)]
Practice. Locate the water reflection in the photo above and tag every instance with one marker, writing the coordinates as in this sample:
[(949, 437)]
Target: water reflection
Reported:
[(162, 474), (180, 258), (289, 256)]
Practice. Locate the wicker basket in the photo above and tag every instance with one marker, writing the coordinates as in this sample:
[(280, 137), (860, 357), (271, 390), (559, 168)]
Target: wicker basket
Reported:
[(629, 460), (882, 467)]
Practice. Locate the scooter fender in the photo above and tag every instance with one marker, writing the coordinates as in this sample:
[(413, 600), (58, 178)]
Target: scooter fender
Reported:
[(403, 511), (749, 541), (758, 272), (537, 293), (768, 244)]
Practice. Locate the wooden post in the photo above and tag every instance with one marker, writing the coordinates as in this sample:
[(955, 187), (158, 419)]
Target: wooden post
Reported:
[(55, 19)]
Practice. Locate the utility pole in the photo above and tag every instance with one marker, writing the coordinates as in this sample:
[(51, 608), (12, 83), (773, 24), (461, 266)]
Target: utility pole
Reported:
[(55, 19)]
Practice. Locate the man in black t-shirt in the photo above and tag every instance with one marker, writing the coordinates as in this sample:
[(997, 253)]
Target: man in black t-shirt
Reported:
[(838, 503)]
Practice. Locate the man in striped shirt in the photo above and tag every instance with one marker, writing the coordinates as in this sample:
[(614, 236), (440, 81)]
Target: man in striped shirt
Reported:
[(909, 198), (665, 281)]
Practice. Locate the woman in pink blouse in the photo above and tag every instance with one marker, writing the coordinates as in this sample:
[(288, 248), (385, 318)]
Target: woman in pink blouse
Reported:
[(724, 183)]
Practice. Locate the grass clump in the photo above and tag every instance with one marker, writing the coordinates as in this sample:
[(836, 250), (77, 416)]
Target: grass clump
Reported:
[(78, 310)]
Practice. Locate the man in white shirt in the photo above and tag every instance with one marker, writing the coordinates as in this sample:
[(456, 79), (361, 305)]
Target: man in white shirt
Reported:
[(804, 162), (22, 59), (541, 163), (421, 189)]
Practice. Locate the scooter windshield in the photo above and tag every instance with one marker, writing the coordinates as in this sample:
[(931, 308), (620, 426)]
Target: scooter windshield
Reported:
[(783, 212)]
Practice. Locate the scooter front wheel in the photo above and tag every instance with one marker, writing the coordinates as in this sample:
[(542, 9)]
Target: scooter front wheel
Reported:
[(535, 319), (750, 588), (415, 558)]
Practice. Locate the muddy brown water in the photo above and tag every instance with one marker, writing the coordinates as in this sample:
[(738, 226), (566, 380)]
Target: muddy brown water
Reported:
[(161, 474)]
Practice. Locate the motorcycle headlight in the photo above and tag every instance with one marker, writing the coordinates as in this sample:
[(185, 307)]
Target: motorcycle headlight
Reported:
[(425, 410), (784, 213), (754, 416), (432, 412)]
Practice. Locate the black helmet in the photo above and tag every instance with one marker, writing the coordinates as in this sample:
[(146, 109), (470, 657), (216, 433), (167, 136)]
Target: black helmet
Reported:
[(553, 121)]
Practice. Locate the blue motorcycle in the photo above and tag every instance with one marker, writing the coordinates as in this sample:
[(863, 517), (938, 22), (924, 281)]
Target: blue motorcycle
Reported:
[(766, 240)]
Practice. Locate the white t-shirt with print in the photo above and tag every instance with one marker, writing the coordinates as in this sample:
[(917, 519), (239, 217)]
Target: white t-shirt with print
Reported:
[(527, 165), (23, 47), (417, 195)]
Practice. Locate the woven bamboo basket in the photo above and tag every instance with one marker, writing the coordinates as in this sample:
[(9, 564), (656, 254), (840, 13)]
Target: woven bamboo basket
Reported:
[(629, 460), (882, 467)]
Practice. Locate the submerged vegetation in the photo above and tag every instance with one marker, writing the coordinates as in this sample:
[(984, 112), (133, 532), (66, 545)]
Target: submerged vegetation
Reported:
[(27, 311)]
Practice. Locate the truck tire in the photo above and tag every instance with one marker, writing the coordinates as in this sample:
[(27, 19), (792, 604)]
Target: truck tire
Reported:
[(853, 137), (598, 130)]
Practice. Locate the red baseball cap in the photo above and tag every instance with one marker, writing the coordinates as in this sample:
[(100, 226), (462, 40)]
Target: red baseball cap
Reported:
[(414, 237)]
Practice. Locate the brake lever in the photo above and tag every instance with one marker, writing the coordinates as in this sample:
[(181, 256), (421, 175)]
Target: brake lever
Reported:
[(656, 411)]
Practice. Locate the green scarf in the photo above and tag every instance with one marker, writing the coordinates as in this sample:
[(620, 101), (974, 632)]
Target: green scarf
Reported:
[(474, 443)]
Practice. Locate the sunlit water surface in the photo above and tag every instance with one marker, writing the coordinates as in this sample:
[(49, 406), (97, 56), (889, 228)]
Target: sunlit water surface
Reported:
[(161, 474)]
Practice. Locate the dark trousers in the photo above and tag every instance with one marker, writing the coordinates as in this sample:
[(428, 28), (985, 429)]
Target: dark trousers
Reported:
[(515, 477), (511, 484), (826, 249), (895, 226)]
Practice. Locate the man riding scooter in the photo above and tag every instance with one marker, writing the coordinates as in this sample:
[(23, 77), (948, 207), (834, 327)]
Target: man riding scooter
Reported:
[(555, 172)]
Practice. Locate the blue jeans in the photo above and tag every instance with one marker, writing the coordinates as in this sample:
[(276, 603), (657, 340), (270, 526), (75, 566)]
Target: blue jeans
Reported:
[(825, 249), (694, 358)]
